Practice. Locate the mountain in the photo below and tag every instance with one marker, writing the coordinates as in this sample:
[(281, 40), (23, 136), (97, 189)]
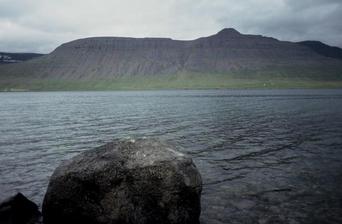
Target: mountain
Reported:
[(6, 58), (323, 49), (226, 59)]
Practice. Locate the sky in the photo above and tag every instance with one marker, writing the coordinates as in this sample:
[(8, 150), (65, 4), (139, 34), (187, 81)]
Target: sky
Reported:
[(42, 25)]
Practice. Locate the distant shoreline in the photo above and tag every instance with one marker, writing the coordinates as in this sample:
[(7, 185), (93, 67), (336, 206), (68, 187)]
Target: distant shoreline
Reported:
[(15, 90)]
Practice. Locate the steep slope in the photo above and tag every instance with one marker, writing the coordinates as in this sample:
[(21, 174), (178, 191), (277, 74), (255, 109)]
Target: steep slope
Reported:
[(323, 49), (230, 51), (222, 57)]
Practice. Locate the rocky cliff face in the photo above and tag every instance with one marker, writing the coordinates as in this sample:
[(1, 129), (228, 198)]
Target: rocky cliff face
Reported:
[(228, 51)]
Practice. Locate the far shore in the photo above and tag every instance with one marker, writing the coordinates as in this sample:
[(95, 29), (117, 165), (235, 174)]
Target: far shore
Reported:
[(173, 84)]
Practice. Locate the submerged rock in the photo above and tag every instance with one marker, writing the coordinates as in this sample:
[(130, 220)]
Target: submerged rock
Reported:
[(19, 210), (140, 182)]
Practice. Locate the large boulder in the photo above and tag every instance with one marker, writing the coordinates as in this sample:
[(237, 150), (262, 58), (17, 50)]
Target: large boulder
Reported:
[(19, 210), (136, 182)]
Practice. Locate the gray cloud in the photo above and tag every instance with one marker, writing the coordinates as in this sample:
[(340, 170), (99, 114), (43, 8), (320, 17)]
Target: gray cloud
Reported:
[(42, 25)]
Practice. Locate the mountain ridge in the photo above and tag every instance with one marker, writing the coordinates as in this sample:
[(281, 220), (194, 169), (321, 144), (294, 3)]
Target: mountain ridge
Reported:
[(323, 49), (227, 54)]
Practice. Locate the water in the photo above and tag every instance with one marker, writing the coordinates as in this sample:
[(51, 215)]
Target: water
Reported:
[(266, 156)]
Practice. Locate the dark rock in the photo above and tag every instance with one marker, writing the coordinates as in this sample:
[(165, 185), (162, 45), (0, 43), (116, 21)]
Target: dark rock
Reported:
[(140, 182), (19, 210)]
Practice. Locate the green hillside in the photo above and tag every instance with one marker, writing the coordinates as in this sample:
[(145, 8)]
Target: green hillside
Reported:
[(179, 81)]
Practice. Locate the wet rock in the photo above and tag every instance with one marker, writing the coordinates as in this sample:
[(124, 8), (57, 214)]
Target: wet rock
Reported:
[(140, 182), (19, 210)]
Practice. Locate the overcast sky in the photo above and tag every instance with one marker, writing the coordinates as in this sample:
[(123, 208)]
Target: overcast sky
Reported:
[(42, 25)]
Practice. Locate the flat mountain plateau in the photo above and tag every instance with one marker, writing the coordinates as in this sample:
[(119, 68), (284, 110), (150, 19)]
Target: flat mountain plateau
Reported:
[(227, 59)]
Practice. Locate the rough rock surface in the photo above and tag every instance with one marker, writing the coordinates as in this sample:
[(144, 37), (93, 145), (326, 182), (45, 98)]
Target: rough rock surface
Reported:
[(142, 181), (19, 210)]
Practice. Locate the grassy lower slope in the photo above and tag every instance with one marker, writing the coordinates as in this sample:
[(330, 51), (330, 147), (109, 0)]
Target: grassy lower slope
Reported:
[(180, 81)]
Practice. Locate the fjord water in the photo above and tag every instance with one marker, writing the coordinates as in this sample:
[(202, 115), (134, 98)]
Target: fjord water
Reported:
[(266, 156)]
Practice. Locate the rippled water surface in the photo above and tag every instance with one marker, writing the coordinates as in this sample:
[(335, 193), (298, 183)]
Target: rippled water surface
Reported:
[(266, 156)]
